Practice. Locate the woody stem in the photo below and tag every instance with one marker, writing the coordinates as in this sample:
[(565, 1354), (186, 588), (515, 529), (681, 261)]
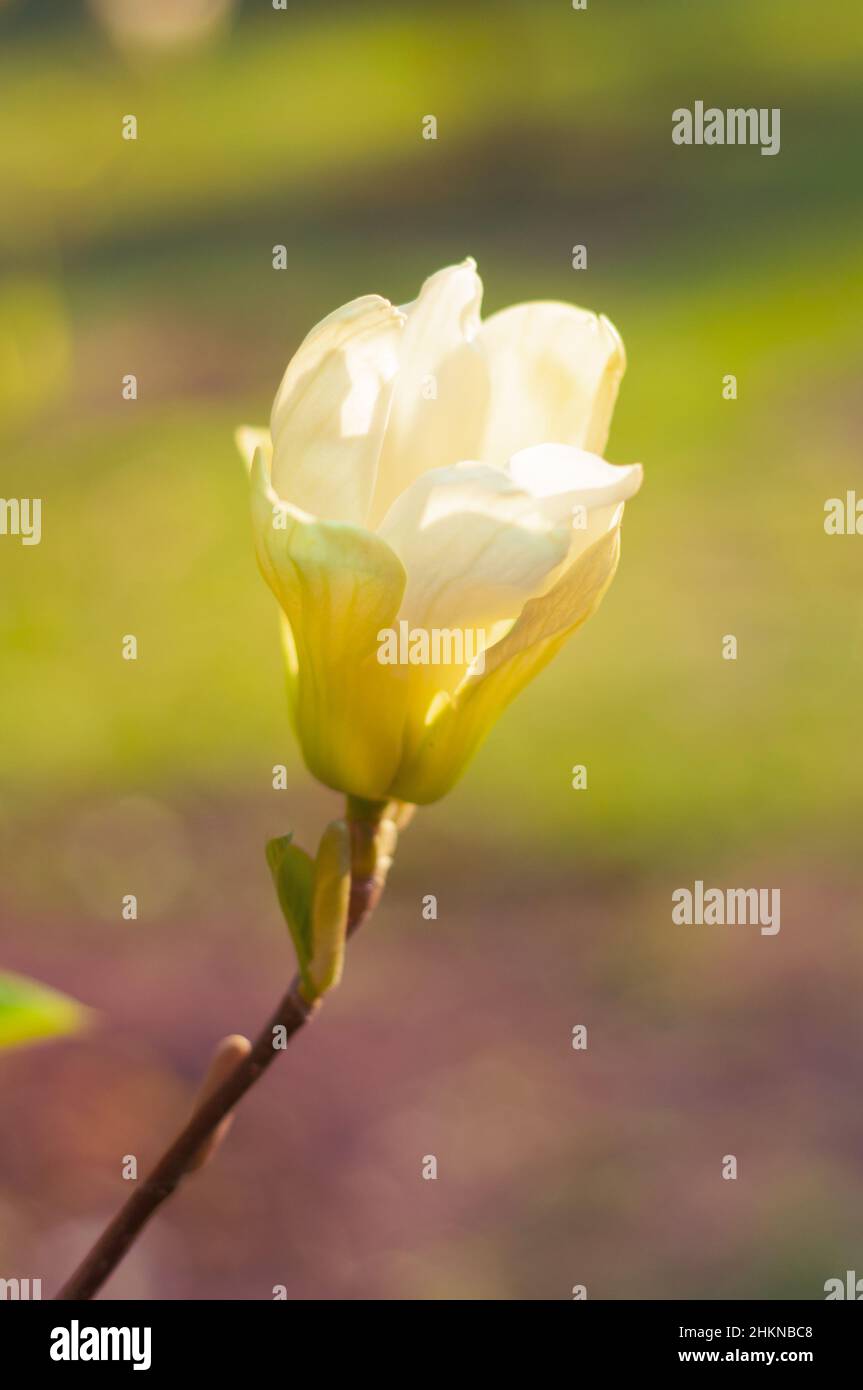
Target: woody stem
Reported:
[(372, 842)]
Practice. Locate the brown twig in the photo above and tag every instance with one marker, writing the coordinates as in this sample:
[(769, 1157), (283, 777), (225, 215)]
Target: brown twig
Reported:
[(373, 839)]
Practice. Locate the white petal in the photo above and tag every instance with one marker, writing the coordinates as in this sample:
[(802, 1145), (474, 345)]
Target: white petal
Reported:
[(554, 373), (573, 483), (331, 410), (441, 392), (565, 477), (475, 546)]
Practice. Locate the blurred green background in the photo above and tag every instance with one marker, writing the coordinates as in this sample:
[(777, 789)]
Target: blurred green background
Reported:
[(303, 127)]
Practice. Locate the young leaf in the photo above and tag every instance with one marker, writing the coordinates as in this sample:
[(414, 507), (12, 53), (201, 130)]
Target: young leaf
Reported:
[(330, 903), (30, 1011), (293, 874)]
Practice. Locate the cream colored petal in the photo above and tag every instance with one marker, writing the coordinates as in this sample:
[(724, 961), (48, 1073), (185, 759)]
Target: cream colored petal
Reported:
[(564, 477), (338, 586), (573, 483), (457, 724), (554, 373), (441, 393), (474, 545), (250, 438), (331, 410), (475, 548)]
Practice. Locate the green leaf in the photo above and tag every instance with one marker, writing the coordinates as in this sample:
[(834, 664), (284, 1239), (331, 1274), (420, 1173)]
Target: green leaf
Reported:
[(314, 897), (293, 874), (330, 904), (30, 1011)]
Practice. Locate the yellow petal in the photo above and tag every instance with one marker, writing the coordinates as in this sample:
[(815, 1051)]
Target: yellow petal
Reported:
[(475, 548), (460, 722), (250, 438), (338, 586)]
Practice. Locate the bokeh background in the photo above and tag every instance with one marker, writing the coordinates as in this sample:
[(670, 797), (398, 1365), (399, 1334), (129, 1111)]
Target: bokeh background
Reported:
[(450, 1037)]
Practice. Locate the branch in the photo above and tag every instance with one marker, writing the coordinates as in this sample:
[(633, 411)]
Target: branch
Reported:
[(373, 836)]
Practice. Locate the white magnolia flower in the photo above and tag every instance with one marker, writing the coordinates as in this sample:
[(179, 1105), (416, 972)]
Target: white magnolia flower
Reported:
[(425, 468)]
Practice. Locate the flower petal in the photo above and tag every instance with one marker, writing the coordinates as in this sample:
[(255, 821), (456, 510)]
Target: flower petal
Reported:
[(569, 482), (459, 723), (250, 438), (441, 392), (554, 373), (338, 586), (330, 412), (565, 476), (475, 546)]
